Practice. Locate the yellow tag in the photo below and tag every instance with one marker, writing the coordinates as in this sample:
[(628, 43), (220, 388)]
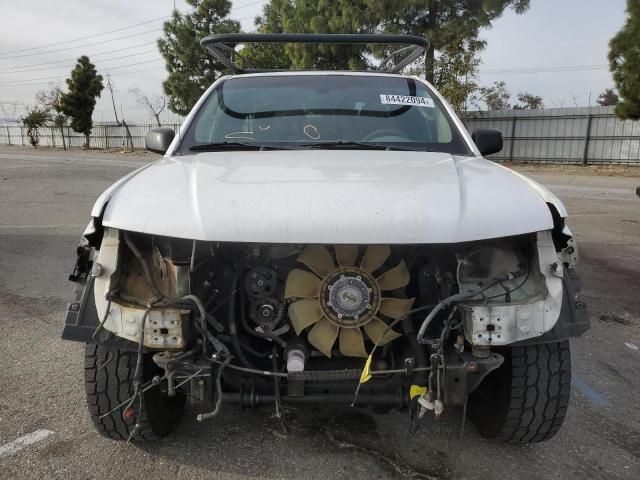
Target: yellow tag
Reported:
[(416, 391), (366, 371)]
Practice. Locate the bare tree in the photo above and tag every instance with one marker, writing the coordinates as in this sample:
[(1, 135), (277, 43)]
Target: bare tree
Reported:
[(495, 97), (529, 101), (128, 141), (51, 101), (111, 87), (154, 103)]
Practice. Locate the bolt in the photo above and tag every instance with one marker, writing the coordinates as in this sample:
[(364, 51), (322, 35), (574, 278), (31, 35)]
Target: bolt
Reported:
[(96, 270)]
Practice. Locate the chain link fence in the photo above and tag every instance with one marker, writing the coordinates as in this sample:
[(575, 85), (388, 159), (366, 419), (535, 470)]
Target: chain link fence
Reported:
[(557, 135)]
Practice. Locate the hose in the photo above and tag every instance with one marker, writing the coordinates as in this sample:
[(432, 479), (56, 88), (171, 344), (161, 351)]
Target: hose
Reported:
[(100, 327), (137, 375), (204, 416), (458, 297), (418, 351), (276, 382), (233, 329)]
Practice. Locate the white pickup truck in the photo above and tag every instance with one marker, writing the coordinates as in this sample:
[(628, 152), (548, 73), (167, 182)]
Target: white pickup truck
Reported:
[(315, 237)]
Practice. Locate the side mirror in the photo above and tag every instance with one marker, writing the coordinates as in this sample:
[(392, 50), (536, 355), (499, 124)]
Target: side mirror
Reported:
[(487, 140), (158, 140)]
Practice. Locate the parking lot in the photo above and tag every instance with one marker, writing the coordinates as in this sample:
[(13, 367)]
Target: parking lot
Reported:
[(45, 200)]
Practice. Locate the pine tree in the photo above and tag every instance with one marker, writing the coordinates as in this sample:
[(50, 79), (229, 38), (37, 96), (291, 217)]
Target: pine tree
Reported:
[(78, 104), (624, 62), (449, 25), (191, 68), (267, 56)]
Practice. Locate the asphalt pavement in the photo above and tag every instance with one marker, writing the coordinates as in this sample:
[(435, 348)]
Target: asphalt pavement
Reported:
[(45, 432)]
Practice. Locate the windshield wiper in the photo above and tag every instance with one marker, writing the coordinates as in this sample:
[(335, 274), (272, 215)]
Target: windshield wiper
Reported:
[(359, 145), (215, 146), (210, 147)]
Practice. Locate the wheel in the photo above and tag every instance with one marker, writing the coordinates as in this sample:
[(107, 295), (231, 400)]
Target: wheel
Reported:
[(109, 378), (525, 400)]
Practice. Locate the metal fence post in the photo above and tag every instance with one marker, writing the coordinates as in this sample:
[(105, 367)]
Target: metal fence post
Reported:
[(513, 139), (587, 138)]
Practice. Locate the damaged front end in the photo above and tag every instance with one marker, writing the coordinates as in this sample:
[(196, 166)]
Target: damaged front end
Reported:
[(414, 327)]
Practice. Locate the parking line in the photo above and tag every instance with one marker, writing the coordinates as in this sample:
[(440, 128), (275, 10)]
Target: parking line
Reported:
[(595, 397), (24, 441)]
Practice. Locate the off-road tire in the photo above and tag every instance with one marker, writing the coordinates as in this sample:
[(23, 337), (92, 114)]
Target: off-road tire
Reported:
[(525, 400), (109, 378)]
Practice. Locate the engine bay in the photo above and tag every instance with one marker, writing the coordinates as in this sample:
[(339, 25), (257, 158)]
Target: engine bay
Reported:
[(386, 325)]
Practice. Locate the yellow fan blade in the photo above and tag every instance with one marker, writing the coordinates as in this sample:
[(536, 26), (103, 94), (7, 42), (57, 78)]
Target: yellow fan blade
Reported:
[(323, 335), (304, 313), (352, 343), (347, 255), (318, 259), (302, 284), (374, 257), (376, 328), (395, 278), (396, 307)]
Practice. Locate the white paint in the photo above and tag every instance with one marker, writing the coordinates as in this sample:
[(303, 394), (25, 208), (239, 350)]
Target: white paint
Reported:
[(326, 196), (546, 194), (24, 441), (513, 322)]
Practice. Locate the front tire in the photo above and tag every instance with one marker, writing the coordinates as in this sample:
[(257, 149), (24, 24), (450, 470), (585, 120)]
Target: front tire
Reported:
[(109, 375), (526, 399)]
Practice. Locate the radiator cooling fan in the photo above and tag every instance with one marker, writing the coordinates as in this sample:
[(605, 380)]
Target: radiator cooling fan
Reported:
[(339, 299)]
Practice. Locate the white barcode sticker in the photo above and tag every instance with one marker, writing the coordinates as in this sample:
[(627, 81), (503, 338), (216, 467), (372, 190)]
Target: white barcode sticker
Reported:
[(406, 100)]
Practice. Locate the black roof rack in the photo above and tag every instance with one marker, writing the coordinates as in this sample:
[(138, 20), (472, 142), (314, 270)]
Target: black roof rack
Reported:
[(218, 45)]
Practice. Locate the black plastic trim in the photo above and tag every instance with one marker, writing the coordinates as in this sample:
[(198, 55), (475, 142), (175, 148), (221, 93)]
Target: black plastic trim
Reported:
[(218, 46), (573, 320), (81, 318)]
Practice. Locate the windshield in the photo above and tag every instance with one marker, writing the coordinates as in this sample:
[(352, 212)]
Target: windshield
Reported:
[(319, 111)]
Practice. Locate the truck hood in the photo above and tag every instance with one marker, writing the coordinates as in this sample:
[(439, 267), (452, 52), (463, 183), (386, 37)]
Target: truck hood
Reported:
[(327, 196)]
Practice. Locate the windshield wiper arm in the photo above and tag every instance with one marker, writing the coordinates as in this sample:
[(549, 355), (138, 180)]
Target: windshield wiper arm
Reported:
[(208, 147), (212, 147), (346, 144), (362, 145)]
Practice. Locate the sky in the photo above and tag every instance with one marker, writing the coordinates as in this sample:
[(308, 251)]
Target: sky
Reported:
[(557, 49)]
